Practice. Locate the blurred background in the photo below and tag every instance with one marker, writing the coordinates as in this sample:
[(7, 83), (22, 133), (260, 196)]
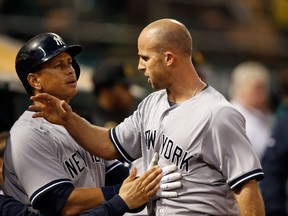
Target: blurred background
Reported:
[(225, 33)]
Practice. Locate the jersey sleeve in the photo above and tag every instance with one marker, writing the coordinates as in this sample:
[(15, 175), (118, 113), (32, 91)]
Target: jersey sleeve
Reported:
[(231, 149), (34, 150), (115, 172), (127, 136)]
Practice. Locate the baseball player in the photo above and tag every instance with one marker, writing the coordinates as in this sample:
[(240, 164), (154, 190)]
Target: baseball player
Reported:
[(188, 122), (44, 166)]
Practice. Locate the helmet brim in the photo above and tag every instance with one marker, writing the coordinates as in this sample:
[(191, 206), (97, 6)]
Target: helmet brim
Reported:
[(73, 50)]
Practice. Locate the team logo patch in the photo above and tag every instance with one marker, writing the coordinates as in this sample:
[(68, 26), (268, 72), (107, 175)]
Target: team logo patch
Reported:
[(59, 41)]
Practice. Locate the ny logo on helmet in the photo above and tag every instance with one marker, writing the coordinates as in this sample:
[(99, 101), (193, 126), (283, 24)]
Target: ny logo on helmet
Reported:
[(58, 40)]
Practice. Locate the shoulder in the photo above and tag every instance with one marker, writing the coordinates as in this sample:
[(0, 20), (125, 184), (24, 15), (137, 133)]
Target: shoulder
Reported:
[(221, 110), (157, 95), (154, 99), (28, 131)]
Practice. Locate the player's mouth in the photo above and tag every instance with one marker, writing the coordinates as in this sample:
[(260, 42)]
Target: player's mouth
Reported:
[(72, 83)]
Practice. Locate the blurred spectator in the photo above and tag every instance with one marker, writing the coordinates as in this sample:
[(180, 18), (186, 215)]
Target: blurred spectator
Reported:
[(275, 159), (249, 93), (114, 100), (3, 137)]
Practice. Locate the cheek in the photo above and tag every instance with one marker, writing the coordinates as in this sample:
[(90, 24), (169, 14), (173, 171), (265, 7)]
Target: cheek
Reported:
[(49, 84), (52, 85)]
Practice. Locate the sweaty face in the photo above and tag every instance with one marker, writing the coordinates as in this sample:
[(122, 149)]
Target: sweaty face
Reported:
[(57, 77), (152, 63)]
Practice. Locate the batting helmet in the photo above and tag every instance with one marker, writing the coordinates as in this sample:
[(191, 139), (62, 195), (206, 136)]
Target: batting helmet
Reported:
[(40, 49)]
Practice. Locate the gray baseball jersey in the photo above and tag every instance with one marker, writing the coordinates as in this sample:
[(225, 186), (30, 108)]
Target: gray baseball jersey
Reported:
[(205, 137), (40, 155)]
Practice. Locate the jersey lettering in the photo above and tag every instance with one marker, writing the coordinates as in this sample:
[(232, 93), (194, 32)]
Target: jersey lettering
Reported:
[(96, 159), (75, 164), (167, 145), (175, 154), (150, 139)]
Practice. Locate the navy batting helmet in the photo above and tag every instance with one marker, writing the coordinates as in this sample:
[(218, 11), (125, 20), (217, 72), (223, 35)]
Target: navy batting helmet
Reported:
[(40, 49)]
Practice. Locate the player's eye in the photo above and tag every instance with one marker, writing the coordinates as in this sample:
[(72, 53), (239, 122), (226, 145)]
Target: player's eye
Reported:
[(57, 65), (144, 58)]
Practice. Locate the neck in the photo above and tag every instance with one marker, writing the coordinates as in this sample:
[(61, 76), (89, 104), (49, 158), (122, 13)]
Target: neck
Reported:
[(184, 94)]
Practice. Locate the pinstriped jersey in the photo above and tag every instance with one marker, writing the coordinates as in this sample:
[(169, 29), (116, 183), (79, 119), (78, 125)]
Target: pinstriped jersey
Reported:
[(40, 155), (205, 137)]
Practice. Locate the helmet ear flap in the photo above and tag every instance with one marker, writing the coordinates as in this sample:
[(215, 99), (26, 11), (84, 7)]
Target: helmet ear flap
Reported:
[(76, 68)]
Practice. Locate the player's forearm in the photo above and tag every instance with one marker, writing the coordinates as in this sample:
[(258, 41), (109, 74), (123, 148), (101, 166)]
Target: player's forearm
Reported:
[(250, 201), (93, 138), (82, 199)]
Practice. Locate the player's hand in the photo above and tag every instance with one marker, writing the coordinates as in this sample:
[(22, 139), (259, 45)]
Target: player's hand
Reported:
[(51, 108), (170, 181), (137, 191)]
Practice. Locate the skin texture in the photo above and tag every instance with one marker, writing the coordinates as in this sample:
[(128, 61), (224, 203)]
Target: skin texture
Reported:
[(136, 192), (167, 65), (250, 200)]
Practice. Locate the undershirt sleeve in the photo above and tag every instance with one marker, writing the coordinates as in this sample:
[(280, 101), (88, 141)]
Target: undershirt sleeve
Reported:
[(10, 206), (114, 207)]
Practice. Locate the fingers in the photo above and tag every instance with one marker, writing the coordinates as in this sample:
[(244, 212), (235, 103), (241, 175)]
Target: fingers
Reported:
[(43, 101), (151, 182), (166, 194), (64, 106), (169, 169), (151, 173), (170, 182), (151, 178), (154, 160), (136, 192), (51, 108), (43, 98), (170, 185), (171, 177), (37, 114), (132, 175)]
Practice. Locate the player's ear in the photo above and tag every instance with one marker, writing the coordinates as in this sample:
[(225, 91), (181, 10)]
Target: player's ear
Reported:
[(32, 78), (169, 58)]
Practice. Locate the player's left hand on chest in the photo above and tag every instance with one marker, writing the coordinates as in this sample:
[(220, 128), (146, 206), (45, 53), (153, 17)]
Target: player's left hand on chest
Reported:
[(170, 181)]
